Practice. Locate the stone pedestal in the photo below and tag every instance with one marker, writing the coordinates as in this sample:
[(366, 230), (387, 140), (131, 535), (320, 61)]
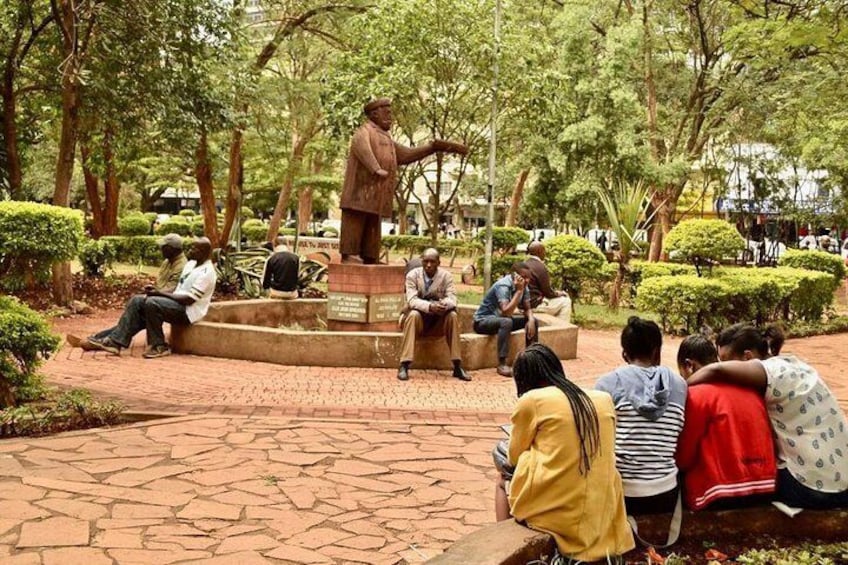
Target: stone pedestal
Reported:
[(365, 298)]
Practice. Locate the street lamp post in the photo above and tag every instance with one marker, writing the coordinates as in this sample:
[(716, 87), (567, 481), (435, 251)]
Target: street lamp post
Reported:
[(490, 193)]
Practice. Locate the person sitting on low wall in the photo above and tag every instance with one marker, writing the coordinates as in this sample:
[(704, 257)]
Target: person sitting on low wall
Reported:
[(810, 429), (430, 311), (496, 314), (186, 305), (543, 298), (564, 480), (725, 451)]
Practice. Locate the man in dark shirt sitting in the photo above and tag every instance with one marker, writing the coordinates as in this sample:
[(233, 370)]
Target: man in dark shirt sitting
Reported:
[(281, 272), (543, 298)]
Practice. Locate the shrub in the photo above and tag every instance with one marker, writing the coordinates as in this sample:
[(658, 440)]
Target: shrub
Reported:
[(704, 241), (505, 240), (96, 256), (197, 227), (686, 302), (188, 213), (139, 250), (33, 237), (175, 224), (25, 339), (151, 216), (254, 230), (815, 261), (501, 265), (571, 261), (134, 224), (330, 231)]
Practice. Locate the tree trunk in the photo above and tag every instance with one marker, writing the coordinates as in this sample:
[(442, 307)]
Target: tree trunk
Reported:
[(517, 195), (304, 209), (234, 185), (298, 147), (92, 194), (112, 188), (662, 225), (10, 131), (203, 175), (63, 292), (615, 295)]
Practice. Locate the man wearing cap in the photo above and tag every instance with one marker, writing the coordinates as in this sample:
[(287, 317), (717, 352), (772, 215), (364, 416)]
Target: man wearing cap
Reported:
[(185, 304), (167, 279), (370, 180)]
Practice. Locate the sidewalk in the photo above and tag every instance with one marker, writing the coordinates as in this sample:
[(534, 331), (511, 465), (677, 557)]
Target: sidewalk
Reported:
[(244, 491)]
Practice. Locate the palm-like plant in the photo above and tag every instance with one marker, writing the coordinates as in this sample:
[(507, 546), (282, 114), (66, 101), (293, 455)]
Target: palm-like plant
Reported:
[(626, 206)]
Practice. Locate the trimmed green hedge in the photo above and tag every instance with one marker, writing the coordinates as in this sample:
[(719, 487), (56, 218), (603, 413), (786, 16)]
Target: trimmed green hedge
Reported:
[(815, 261), (139, 250), (505, 240), (254, 230), (188, 213), (96, 256), (687, 302), (33, 237), (699, 241), (501, 265), (175, 224), (135, 224), (25, 339), (415, 244), (573, 261)]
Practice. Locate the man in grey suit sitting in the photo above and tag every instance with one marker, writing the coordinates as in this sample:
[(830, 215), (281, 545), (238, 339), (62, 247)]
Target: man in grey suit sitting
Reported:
[(430, 311)]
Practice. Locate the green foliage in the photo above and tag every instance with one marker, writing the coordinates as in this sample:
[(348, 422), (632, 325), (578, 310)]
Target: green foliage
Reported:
[(805, 554), (572, 261), (416, 244), (138, 250), (703, 241), (70, 410), (815, 261), (25, 339), (197, 227), (501, 264), (175, 224), (505, 240), (96, 255), (135, 224), (33, 237), (254, 230), (188, 213), (687, 302), (641, 270), (151, 217)]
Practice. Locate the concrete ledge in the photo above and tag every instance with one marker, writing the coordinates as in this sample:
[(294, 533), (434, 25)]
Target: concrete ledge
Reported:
[(508, 543), (284, 332), (504, 543)]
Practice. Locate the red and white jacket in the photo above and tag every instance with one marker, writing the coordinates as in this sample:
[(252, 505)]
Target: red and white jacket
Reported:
[(726, 448)]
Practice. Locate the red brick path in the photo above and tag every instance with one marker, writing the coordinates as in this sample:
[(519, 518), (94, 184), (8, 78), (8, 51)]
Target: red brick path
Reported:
[(191, 384)]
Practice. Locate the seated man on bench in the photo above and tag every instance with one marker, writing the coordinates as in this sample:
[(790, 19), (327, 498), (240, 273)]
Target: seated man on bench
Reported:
[(431, 311)]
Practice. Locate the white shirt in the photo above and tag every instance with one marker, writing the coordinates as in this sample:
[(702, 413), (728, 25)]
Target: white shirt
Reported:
[(199, 283), (810, 429)]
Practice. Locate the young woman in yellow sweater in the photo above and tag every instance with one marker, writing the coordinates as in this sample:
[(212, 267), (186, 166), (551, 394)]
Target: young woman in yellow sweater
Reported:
[(565, 482)]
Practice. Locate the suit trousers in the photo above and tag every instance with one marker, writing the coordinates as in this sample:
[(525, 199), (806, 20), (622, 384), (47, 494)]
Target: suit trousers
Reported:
[(360, 235), (422, 324)]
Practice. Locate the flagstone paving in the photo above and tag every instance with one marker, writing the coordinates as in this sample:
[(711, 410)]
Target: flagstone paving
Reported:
[(212, 489)]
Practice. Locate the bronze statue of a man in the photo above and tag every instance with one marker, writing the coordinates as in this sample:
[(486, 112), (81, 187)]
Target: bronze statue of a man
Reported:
[(370, 180)]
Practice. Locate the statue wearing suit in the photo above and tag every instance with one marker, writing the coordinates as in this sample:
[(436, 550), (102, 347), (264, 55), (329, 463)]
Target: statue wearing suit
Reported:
[(430, 311), (370, 180)]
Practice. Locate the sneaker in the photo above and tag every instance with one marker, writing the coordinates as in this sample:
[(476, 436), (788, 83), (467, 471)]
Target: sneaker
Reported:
[(105, 344), (82, 343), (459, 373), (157, 351)]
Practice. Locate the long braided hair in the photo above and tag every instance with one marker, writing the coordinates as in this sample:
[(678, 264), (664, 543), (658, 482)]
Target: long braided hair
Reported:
[(537, 367)]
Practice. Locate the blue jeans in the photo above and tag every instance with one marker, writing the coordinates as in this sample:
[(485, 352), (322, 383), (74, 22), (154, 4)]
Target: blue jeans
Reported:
[(146, 313), (503, 326)]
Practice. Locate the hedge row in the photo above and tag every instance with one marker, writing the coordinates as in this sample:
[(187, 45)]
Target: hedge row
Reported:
[(142, 249), (418, 243), (25, 339), (688, 302), (814, 261)]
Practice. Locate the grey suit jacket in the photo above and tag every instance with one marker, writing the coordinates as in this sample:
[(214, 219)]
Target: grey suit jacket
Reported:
[(442, 288)]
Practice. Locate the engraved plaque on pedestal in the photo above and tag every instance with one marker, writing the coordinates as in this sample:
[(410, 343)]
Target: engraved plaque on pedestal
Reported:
[(385, 307), (347, 307)]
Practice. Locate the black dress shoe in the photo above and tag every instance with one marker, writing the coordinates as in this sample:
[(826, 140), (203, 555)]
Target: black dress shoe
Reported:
[(461, 375), (505, 371), (403, 373)]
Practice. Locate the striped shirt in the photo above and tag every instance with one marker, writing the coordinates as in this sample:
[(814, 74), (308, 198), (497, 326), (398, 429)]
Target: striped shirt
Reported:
[(199, 283), (649, 408), (644, 449)]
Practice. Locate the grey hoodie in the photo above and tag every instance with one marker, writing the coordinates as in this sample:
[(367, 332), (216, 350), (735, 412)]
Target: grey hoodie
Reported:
[(649, 405)]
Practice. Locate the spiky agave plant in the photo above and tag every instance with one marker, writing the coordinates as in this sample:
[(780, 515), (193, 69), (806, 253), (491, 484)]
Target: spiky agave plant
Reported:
[(626, 207)]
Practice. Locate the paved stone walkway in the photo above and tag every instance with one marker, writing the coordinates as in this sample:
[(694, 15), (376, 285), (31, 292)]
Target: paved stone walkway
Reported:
[(221, 490), (191, 384), (286, 464)]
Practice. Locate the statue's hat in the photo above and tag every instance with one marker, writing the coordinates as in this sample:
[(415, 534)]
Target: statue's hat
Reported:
[(377, 103)]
